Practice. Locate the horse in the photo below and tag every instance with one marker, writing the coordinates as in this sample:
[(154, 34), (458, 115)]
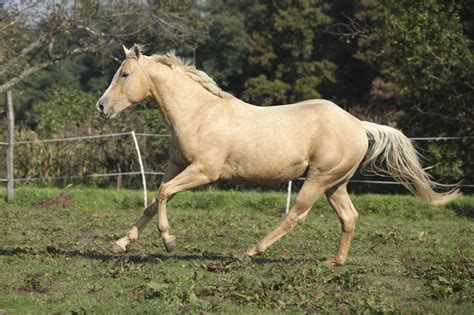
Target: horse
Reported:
[(216, 136)]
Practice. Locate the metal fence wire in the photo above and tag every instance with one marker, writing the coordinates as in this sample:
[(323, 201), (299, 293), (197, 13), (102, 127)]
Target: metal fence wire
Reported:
[(143, 173)]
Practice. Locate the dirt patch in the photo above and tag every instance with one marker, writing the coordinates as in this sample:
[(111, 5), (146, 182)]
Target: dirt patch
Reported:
[(59, 201), (36, 283)]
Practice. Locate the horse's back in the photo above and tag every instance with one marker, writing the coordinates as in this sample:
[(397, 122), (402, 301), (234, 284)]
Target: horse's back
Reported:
[(316, 121)]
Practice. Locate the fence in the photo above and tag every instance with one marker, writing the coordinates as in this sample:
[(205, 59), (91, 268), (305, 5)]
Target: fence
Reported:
[(10, 180)]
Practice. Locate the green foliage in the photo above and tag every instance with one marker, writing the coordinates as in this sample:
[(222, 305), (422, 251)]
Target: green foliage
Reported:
[(430, 59), (275, 46), (422, 47), (222, 55), (264, 91), (69, 109), (284, 53), (83, 73), (425, 56), (450, 164)]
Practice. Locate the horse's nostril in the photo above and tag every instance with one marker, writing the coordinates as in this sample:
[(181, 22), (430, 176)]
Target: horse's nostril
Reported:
[(101, 107)]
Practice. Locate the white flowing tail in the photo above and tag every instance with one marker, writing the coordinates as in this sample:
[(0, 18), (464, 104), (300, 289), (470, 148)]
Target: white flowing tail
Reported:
[(392, 153)]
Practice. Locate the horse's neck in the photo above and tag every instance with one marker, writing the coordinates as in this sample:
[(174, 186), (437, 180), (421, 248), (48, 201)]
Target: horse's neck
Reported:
[(181, 102)]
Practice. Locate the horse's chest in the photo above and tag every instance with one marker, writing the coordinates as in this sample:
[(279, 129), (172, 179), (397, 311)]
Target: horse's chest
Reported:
[(185, 152), (178, 154)]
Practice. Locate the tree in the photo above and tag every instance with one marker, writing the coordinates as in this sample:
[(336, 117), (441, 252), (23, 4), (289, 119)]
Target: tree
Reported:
[(423, 52), (223, 54), (42, 34), (285, 59)]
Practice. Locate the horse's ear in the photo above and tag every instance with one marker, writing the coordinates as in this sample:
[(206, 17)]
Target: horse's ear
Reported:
[(137, 51), (126, 51)]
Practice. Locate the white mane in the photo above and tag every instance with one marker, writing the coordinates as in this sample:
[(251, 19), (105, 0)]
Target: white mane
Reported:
[(184, 65)]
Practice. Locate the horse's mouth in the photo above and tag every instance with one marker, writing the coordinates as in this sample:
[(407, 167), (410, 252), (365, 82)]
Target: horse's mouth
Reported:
[(104, 116)]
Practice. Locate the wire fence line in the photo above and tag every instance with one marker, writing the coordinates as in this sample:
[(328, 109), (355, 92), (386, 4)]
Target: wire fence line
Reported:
[(167, 135), (72, 138), (157, 135), (380, 182), (438, 138), (143, 173), (26, 179)]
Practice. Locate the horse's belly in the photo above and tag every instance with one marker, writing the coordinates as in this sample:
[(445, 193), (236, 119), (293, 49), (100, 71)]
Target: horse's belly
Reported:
[(263, 169)]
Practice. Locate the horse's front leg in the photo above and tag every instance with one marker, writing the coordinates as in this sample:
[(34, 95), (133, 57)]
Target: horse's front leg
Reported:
[(120, 246), (193, 176)]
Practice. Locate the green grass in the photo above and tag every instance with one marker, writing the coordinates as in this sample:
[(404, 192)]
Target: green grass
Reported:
[(407, 257)]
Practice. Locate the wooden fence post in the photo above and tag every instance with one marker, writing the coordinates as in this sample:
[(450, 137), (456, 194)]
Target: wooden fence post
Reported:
[(10, 141)]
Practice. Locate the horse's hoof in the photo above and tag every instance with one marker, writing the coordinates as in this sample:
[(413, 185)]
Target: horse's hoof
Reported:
[(332, 262), (117, 249), (241, 255), (170, 244)]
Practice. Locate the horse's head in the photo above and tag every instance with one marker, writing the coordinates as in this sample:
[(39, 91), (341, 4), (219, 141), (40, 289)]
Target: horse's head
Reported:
[(129, 85)]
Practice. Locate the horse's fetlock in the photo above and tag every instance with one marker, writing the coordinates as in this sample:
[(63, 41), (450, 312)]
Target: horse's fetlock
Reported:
[(133, 234), (288, 224), (260, 248), (163, 227), (348, 228)]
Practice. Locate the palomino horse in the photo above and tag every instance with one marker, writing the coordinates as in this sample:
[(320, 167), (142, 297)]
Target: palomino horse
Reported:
[(216, 136)]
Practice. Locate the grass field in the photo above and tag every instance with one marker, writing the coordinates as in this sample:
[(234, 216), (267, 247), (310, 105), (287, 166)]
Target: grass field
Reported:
[(406, 257)]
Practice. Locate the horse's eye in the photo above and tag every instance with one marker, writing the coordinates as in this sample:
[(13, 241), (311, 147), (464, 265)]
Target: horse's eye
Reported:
[(125, 74)]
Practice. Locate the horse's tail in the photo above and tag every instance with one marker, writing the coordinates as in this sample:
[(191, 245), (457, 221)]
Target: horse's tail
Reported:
[(392, 153)]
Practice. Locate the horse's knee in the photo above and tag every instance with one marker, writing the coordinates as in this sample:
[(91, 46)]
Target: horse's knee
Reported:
[(163, 193), (349, 220), (302, 217), (293, 220)]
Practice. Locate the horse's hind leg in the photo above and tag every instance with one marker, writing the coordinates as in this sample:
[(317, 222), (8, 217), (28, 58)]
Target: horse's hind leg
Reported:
[(308, 194), (132, 235), (340, 201)]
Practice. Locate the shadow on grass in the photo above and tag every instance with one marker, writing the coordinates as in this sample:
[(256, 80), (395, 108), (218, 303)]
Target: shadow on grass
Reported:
[(106, 256), (462, 209), (11, 252)]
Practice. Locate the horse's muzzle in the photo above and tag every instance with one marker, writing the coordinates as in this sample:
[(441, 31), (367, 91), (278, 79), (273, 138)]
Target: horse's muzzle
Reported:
[(104, 116)]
